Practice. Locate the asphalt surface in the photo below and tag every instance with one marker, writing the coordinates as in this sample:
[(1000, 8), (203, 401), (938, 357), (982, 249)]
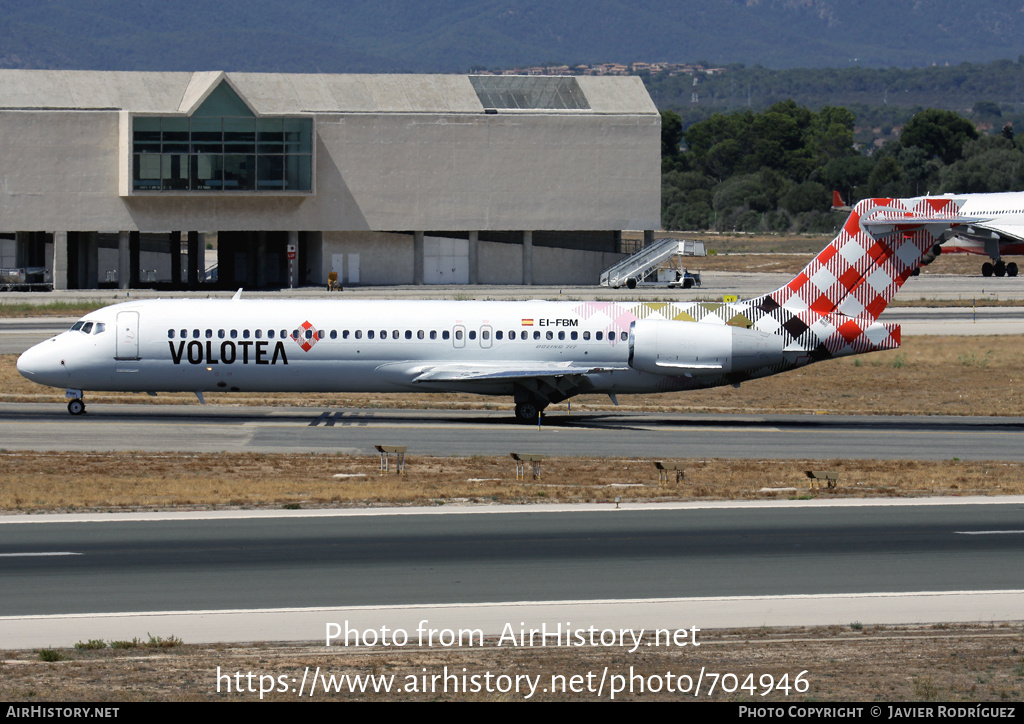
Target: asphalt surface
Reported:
[(296, 562), (192, 428)]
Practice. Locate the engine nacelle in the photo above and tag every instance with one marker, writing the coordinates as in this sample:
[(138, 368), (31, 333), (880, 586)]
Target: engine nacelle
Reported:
[(665, 347)]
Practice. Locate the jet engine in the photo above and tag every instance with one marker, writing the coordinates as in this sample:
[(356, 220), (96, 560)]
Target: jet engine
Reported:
[(665, 347)]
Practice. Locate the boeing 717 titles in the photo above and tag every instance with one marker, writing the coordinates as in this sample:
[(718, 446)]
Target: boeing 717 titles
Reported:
[(536, 352)]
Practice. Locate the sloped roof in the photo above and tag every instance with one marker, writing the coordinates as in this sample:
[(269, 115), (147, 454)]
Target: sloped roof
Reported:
[(281, 93)]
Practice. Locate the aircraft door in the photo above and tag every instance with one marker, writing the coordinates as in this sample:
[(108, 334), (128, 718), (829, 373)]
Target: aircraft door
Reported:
[(485, 336), (459, 336), (127, 335)]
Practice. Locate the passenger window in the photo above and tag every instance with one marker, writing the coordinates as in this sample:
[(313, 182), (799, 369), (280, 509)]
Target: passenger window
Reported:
[(445, 334), (209, 334), (359, 334), (369, 334), (561, 335), (258, 334), (334, 334), (623, 336), (234, 334), (395, 334), (184, 334), (484, 334), (574, 335), (344, 334), (408, 334), (245, 334), (420, 335), (195, 334), (433, 334), (586, 336), (498, 334), (458, 334), (270, 334), (170, 334), (599, 336), (472, 334), (220, 334), (550, 335)]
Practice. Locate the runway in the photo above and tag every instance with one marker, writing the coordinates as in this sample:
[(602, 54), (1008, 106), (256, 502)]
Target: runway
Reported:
[(192, 428), (587, 563)]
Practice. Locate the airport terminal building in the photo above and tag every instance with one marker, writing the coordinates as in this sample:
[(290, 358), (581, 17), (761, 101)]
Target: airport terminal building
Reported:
[(125, 179)]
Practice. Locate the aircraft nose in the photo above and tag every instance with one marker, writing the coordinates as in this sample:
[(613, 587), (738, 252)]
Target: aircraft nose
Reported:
[(39, 364)]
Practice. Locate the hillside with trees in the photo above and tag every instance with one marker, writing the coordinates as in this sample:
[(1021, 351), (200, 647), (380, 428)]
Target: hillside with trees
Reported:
[(451, 36), (774, 171)]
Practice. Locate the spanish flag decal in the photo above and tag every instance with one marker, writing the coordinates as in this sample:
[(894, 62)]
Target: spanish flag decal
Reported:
[(527, 322)]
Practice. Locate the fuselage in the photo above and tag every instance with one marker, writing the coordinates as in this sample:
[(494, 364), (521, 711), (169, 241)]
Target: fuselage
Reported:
[(353, 346)]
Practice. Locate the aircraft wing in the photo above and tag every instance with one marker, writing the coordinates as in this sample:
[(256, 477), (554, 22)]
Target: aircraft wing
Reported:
[(468, 372)]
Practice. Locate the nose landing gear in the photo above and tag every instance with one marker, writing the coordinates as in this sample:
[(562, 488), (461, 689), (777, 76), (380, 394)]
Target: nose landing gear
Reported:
[(76, 405)]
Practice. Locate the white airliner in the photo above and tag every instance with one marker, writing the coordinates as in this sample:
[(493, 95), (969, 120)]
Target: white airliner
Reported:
[(537, 352), (998, 229)]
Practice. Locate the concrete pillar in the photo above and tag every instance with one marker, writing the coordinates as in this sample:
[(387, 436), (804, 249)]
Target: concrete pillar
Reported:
[(417, 257), (134, 241), (60, 260), (123, 261), (295, 275), (174, 245), (91, 241), (193, 259), (474, 258), (78, 245), (527, 258)]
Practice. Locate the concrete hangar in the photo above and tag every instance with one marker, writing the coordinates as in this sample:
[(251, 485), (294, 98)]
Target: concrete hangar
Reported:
[(125, 179)]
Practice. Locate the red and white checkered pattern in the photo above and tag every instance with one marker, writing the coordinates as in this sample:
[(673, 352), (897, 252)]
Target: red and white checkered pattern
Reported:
[(841, 293), (307, 344)]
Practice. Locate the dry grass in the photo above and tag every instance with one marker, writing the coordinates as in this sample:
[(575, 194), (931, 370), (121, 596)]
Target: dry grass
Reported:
[(929, 375), (843, 664), (37, 482)]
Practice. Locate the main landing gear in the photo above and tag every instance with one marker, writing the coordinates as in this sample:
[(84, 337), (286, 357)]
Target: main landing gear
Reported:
[(999, 269), (527, 413), (76, 406)]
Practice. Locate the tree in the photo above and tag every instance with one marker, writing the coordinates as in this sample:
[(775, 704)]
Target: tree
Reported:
[(671, 134), (939, 133)]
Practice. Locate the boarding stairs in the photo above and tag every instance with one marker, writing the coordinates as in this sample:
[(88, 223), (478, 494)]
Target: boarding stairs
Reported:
[(638, 266)]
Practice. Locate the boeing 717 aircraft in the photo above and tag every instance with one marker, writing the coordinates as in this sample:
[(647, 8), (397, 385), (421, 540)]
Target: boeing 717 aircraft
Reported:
[(537, 352)]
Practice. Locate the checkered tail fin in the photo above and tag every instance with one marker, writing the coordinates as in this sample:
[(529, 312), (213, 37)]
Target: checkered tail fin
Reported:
[(839, 296)]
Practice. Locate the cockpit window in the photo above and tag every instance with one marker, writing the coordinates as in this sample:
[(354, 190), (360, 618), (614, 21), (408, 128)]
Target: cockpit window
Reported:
[(99, 328), (77, 326), (87, 328)]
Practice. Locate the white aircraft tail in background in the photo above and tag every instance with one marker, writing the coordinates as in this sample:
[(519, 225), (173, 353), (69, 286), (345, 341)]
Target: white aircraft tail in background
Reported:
[(536, 352)]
